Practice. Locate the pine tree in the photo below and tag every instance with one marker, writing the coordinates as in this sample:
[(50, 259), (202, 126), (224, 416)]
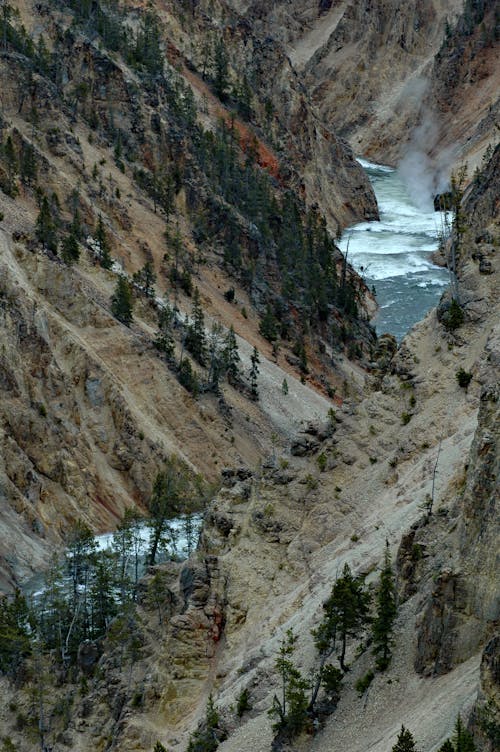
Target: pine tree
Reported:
[(221, 82), (386, 613), (102, 239), (290, 709), (121, 302), (173, 491), (216, 364), (27, 165), (11, 160), (462, 738), (405, 742), (447, 746), (70, 251), (346, 611), (268, 326), (145, 278), (195, 337), (164, 341), (209, 736), (15, 642), (254, 372), (45, 226), (231, 357)]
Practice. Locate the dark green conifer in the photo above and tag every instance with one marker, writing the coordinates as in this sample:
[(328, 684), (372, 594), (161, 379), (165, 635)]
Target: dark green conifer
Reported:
[(45, 226), (346, 611), (462, 738), (221, 82), (405, 742), (164, 340), (231, 356), (195, 337), (27, 166), (102, 239), (268, 325), (145, 278), (121, 302), (254, 372), (290, 708), (386, 613), (70, 251)]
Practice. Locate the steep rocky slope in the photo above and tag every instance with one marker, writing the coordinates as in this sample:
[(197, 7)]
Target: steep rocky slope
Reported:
[(90, 411), (391, 80)]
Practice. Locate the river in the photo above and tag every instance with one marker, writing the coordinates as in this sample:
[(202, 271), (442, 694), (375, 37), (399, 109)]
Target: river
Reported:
[(393, 254)]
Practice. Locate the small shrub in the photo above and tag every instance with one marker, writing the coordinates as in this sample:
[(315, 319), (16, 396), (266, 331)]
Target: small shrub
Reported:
[(244, 312), (373, 460), (405, 418), (243, 702), (464, 378), (311, 482), (137, 699), (42, 410), (364, 682), (229, 295), (454, 317), (322, 460), (355, 538)]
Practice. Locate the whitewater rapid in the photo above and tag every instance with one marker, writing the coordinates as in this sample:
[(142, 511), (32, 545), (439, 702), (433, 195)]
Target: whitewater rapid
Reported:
[(393, 254)]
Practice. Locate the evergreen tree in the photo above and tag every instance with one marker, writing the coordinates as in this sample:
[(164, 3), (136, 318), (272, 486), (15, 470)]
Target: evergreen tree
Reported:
[(195, 336), (15, 643), (254, 372), (145, 278), (290, 709), (216, 364), (405, 742), (346, 612), (102, 240), (462, 738), (27, 165), (447, 746), (231, 357), (70, 251), (164, 341), (12, 163), (187, 377), (121, 301), (209, 736), (45, 228), (221, 82), (386, 613), (268, 326), (173, 491)]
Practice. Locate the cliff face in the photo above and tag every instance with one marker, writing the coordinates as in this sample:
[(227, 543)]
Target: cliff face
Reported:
[(391, 79)]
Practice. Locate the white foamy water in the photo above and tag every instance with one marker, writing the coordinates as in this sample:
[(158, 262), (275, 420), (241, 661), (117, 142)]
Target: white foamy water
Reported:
[(393, 255)]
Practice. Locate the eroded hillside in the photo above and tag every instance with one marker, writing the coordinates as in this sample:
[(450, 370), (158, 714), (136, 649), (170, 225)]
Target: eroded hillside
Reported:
[(194, 144)]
